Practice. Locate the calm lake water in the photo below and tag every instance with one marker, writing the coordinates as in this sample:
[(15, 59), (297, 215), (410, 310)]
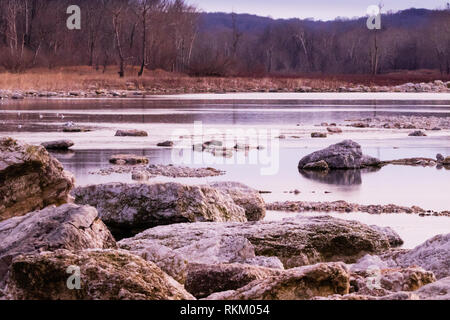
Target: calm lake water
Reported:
[(273, 169)]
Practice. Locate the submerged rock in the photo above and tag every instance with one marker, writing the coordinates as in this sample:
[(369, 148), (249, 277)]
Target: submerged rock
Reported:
[(30, 179), (131, 133), (58, 145), (131, 208), (344, 155), (66, 227), (296, 284), (104, 275), (245, 197)]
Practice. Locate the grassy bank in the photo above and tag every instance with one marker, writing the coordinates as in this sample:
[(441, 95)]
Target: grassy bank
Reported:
[(85, 78)]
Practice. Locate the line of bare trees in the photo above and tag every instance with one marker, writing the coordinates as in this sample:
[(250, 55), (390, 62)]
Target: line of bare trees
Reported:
[(145, 33), (171, 35)]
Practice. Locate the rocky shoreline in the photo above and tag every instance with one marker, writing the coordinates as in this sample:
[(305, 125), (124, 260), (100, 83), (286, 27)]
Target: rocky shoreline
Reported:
[(437, 86), (431, 123), (182, 242)]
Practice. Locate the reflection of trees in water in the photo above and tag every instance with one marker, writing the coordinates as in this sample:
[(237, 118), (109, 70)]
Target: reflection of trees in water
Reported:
[(338, 177)]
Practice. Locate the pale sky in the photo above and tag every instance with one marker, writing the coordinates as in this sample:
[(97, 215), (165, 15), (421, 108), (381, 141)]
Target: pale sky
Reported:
[(318, 9)]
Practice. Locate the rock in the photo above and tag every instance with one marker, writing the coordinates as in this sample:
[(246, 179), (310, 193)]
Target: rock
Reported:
[(203, 280), (223, 249), (182, 172), (318, 135), (394, 239), (321, 165), (360, 125), (377, 282), (439, 290), (417, 134), (245, 197), (439, 158), (17, 96), (334, 130), (241, 146), (104, 275), (296, 284), (75, 129), (66, 227), (30, 179), (426, 162), (140, 176), (131, 208), (165, 144), (446, 161), (129, 159), (433, 255), (344, 155), (213, 143), (58, 145), (296, 242), (131, 133)]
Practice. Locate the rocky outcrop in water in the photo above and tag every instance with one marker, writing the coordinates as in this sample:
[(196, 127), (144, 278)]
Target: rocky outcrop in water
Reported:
[(417, 133), (131, 133), (344, 155), (104, 275), (245, 197), (58, 145), (128, 159), (302, 283), (343, 206), (131, 208), (295, 242), (69, 227), (30, 179), (162, 170), (433, 123)]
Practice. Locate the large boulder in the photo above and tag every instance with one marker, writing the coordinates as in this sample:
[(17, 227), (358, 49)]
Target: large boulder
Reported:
[(30, 179), (245, 197), (295, 242), (344, 155), (205, 279), (66, 227), (439, 290), (433, 255), (296, 284), (176, 260), (131, 208), (103, 275)]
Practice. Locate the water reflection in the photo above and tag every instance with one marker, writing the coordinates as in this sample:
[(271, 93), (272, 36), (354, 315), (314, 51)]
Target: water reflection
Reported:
[(337, 177)]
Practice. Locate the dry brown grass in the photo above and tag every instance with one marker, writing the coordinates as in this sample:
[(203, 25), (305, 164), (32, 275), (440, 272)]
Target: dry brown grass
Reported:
[(85, 78)]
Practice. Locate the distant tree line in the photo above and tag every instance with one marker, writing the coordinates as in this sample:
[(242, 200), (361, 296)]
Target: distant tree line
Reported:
[(174, 36)]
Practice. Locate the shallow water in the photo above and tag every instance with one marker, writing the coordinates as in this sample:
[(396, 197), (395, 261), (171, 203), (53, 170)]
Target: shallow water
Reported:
[(36, 121)]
